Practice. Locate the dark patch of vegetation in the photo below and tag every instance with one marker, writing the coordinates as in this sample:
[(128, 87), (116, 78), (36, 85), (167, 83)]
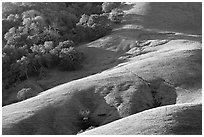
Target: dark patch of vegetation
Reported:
[(25, 93), (92, 27), (108, 6), (116, 15), (40, 36)]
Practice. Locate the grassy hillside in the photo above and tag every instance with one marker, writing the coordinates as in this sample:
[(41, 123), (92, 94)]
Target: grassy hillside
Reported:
[(136, 68), (182, 119)]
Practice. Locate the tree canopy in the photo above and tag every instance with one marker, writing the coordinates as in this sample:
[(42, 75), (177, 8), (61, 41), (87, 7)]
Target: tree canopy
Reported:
[(38, 35)]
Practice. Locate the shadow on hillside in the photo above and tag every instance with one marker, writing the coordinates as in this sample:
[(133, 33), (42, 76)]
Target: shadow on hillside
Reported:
[(99, 59), (150, 34), (126, 6), (188, 121), (94, 110), (133, 19), (96, 61), (161, 94), (182, 17), (78, 112)]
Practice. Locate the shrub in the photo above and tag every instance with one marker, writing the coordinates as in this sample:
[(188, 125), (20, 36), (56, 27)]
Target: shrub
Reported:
[(11, 21), (66, 44), (92, 27), (70, 59), (43, 72), (23, 67), (25, 93), (35, 64), (49, 34), (116, 15), (108, 6)]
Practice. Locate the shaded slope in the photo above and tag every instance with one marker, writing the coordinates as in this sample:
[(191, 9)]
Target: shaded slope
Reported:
[(185, 119), (175, 16), (168, 16)]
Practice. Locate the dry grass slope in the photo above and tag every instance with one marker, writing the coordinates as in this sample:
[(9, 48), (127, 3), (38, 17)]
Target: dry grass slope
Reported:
[(144, 68), (182, 119)]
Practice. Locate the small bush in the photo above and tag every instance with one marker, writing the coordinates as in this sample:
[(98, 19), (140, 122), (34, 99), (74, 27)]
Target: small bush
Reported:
[(92, 27), (66, 44), (25, 93), (108, 6), (116, 15), (70, 59)]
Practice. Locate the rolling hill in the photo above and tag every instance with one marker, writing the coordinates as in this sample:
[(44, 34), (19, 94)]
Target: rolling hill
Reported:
[(148, 70)]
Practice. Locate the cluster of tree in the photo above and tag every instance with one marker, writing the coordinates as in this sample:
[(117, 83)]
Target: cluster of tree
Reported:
[(92, 27), (116, 15), (45, 35), (109, 6), (20, 63)]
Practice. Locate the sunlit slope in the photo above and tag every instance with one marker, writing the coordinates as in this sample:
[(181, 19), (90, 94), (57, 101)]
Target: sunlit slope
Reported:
[(185, 119), (159, 68), (171, 16), (112, 94)]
